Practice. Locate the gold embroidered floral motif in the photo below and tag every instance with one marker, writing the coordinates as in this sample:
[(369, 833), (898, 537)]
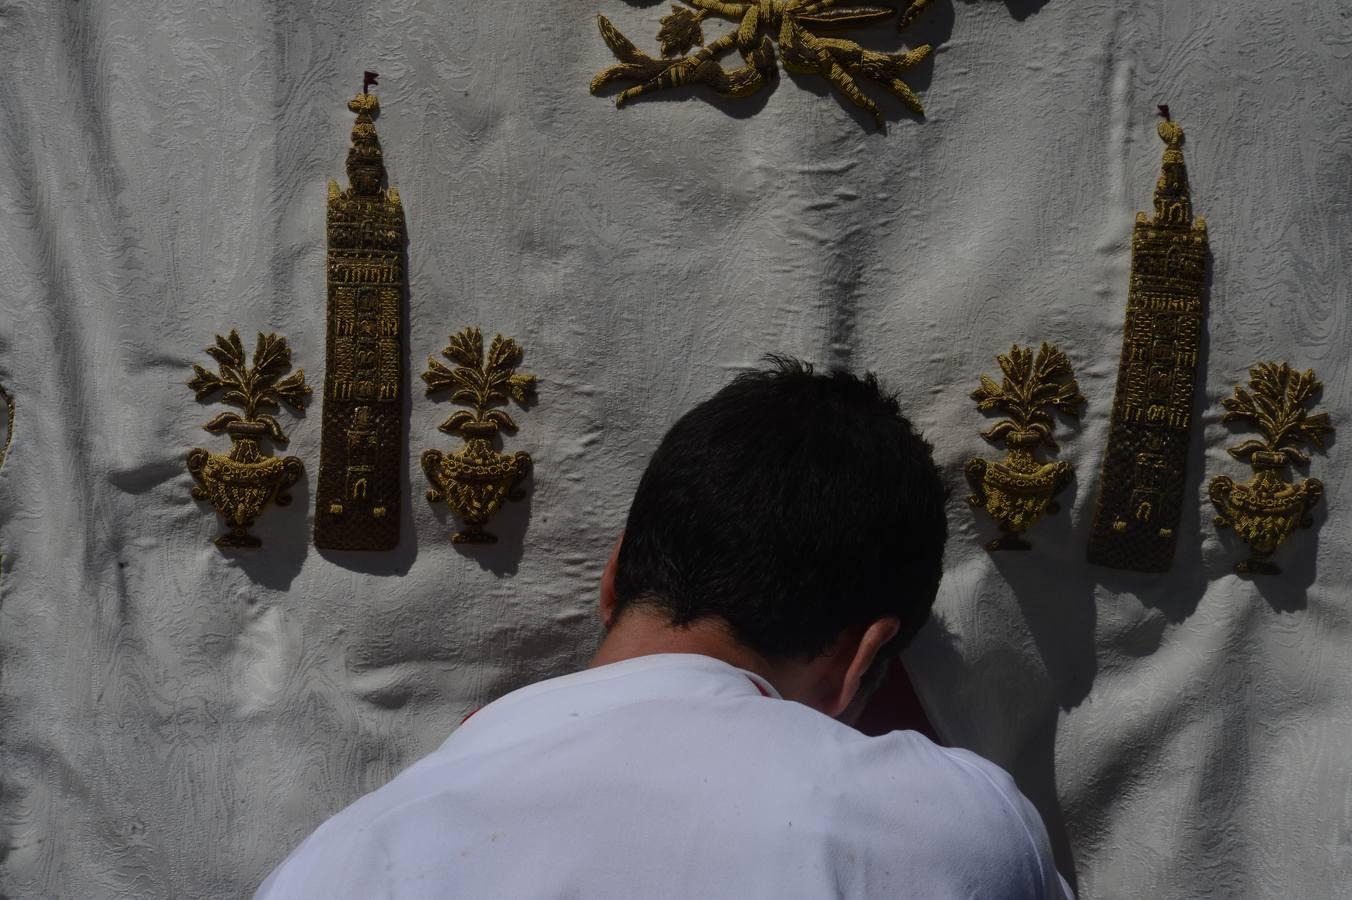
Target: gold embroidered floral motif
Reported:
[(362, 448), (1141, 488), (243, 482), (476, 479), (1018, 490), (1265, 510), (803, 50)]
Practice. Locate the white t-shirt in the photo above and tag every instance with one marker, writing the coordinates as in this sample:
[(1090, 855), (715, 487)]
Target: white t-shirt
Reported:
[(677, 776)]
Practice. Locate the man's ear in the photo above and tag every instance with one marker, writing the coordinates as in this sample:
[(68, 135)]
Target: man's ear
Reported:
[(608, 584), (875, 637)]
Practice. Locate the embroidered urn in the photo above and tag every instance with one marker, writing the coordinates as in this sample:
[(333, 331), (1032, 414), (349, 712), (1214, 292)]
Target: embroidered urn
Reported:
[(243, 482), (1267, 509), (477, 479), (1018, 490)]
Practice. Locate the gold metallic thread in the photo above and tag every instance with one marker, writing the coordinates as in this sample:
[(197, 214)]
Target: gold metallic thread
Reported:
[(1265, 510), (1018, 490), (243, 482), (9, 424), (362, 448), (476, 479), (802, 49), (9, 441), (1142, 483)]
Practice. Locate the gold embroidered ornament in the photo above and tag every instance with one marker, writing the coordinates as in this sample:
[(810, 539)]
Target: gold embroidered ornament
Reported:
[(362, 447), (796, 24), (9, 424), (8, 401), (243, 482), (476, 479), (1265, 510), (1141, 488), (1018, 490)]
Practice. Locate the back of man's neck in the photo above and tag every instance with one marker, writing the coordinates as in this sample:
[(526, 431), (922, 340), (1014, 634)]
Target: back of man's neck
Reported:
[(640, 632)]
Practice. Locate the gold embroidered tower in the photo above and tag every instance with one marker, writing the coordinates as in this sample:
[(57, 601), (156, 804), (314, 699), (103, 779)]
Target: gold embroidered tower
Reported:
[(357, 499), (1141, 488)]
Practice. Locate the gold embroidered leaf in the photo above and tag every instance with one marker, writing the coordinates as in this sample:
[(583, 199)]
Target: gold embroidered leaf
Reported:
[(998, 430), (504, 355), (204, 382), (679, 31), (1313, 428), (520, 387), (292, 390), (274, 428), (229, 352), (437, 376), (621, 46), (456, 421), (271, 356), (220, 420), (846, 17), (503, 420), (989, 395), (466, 347), (1247, 449)]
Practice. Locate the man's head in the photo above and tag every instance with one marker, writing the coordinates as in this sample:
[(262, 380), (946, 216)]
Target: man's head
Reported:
[(800, 513)]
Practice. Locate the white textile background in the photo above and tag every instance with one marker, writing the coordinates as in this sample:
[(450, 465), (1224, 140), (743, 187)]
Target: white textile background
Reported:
[(175, 718)]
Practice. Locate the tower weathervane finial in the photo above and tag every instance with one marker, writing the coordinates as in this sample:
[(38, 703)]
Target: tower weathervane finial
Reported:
[(1173, 200)]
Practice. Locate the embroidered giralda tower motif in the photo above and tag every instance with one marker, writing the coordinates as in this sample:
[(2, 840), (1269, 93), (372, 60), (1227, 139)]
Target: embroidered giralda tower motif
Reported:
[(1141, 488), (357, 499)]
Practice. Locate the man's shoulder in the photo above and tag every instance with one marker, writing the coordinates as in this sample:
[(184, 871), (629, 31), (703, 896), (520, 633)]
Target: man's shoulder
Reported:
[(953, 809), (969, 809)]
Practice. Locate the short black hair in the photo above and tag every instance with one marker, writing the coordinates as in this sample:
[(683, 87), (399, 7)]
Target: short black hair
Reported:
[(793, 506)]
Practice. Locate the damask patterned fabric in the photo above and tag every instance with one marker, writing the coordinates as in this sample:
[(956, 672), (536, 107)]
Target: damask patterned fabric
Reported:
[(176, 718)]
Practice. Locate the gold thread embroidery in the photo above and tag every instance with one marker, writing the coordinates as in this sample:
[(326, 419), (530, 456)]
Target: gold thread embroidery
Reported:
[(357, 498), (803, 50), (242, 483), (1141, 488), (1266, 510), (9, 424), (476, 479), (9, 440), (1018, 490)]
